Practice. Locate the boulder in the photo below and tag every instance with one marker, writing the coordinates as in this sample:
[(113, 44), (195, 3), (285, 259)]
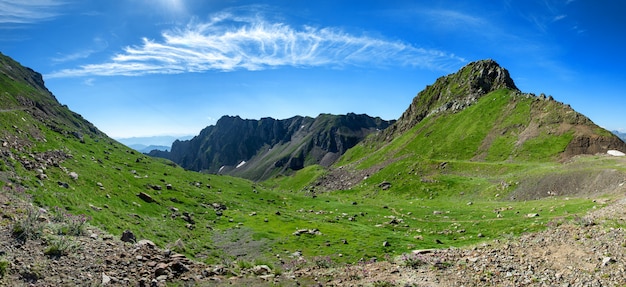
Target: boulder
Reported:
[(161, 269), (105, 279), (188, 217), (607, 260), (146, 242), (384, 185), (178, 267), (313, 231), (128, 236), (146, 197), (261, 270)]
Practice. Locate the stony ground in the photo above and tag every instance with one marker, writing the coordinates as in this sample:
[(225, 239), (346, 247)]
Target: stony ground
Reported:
[(589, 251)]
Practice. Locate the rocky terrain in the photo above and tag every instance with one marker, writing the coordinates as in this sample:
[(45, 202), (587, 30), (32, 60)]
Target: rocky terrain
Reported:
[(453, 92), (586, 251), (589, 251)]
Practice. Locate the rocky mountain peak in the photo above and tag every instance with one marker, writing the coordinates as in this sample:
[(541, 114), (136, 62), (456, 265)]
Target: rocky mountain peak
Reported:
[(454, 92), (485, 76)]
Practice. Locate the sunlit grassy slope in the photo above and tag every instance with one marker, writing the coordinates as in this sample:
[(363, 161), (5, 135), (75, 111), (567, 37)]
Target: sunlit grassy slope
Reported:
[(448, 187), (493, 129)]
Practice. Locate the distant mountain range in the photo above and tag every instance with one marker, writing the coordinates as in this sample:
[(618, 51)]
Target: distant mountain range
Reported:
[(148, 144), (259, 149)]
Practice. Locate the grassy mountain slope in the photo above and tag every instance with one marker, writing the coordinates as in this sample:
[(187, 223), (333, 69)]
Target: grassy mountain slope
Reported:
[(498, 124), (409, 194)]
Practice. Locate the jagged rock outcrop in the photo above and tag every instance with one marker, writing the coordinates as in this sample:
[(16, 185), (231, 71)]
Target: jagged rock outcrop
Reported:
[(258, 149)]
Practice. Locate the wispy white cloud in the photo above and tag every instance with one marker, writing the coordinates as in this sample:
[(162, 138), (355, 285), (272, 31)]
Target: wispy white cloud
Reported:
[(553, 11), (74, 56), (89, 81), (452, 18), (26, 12), (98, 44), (228, 42)]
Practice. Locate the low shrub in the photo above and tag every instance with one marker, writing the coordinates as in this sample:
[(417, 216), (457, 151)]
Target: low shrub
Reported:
[(28, 227), (4, 267), (60, 246)]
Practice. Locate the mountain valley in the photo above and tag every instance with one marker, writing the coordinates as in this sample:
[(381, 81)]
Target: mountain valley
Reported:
[(477, 183)]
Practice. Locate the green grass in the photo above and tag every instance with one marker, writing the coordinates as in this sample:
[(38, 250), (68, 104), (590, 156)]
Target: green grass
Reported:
[(435, 170), (4, 266), (298, 181), (430, 201)]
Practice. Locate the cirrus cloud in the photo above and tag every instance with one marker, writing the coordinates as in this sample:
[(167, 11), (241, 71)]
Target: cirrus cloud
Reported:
[(228, 43), (27, 12)]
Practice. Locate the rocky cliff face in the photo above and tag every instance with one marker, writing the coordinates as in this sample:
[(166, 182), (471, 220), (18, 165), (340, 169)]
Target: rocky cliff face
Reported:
[(258, 149)]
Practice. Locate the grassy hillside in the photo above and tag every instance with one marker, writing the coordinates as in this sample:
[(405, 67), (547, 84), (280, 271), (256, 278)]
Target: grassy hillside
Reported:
[(503, 125), (444, 183)]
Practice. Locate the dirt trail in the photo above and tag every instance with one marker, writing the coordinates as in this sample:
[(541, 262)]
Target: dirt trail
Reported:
[(11, 110)]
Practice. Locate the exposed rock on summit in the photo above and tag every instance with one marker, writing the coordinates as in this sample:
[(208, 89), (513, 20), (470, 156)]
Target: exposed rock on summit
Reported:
[(454, 92)]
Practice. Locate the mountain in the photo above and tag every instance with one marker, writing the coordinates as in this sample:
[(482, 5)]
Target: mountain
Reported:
[(81, 209), (476, 115), (259, 149), (147, 144), (148, 148), (620, 135), (454, 93), (29, 95), (507, 125)]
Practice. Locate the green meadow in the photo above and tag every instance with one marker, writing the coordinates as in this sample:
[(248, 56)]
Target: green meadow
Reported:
[(449, 181)]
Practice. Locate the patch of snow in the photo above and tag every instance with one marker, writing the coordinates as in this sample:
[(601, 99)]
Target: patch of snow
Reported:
[(615, 153), (241, 164), (221, 168)]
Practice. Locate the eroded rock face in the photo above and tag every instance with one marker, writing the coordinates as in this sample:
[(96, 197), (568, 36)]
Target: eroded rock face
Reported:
[(593, 145)]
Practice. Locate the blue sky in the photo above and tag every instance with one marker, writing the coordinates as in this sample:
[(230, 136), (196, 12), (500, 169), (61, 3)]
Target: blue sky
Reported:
[(173, 67)]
